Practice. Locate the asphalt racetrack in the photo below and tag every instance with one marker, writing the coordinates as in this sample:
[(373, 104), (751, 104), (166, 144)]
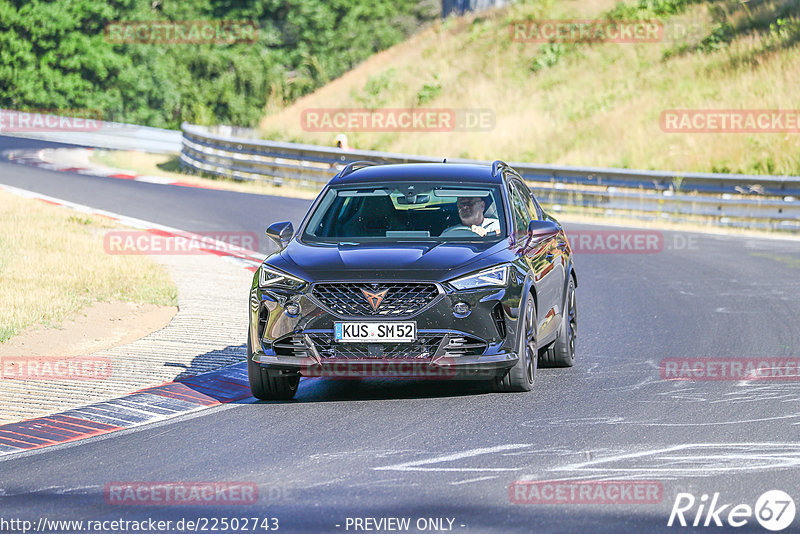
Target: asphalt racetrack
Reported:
[(447, 452)]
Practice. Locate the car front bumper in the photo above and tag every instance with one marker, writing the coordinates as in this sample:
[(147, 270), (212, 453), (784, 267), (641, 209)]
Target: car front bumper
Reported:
[(462, 367), (477, 345)]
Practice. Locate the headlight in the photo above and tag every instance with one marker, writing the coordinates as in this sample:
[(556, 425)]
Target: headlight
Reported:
[(268, 277), (496, 276)]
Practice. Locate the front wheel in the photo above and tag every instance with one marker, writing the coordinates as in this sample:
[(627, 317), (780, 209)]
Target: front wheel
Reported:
[(521, 376), (266, 384), (562, 352)]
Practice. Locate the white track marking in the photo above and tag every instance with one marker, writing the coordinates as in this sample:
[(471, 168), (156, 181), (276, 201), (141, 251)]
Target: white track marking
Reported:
[(155, 180), (472, 480), (688, 460), (623, 421), (417, 464)]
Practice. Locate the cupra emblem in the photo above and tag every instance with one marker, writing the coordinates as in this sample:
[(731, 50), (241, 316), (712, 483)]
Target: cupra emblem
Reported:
[(374, 299)]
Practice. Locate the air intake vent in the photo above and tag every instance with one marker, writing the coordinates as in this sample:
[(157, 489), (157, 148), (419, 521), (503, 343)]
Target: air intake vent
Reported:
[(422, 349), (464, 346), (499, 320), (291, 345), (263, 317)]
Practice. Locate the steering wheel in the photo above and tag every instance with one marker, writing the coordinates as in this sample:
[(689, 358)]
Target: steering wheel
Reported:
[(458, 231)]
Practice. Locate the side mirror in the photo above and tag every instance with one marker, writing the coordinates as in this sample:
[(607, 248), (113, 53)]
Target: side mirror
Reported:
[(543, 230), (281, 233), (538, 232)]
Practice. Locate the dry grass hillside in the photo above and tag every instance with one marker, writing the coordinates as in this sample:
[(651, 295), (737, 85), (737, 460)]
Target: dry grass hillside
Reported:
[(583, 103)]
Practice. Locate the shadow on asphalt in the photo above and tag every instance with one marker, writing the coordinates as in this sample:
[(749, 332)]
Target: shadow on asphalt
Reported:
[(214, 359), (333, 390), (322, 389)]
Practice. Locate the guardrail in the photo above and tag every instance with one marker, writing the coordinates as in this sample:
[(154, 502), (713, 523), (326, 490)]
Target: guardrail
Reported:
[(96, 134), (727, 199)]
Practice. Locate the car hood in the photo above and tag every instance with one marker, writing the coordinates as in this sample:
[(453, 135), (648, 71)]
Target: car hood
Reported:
[(404, 260)]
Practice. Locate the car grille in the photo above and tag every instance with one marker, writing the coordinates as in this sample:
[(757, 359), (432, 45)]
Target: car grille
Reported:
[(423, 348), (400, 299)]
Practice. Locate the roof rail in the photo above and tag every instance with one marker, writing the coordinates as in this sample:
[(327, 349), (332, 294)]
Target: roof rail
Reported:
[(354, 166), (497, 165)]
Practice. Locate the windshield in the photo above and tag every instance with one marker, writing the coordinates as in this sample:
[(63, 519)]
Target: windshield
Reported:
[(413, 210)]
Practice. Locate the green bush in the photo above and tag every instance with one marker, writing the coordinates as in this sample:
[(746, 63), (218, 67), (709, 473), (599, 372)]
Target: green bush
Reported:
[(54, 55)]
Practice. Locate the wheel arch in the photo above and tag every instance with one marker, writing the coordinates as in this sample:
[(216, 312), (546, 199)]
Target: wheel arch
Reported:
[(571, 274), (528, 288)]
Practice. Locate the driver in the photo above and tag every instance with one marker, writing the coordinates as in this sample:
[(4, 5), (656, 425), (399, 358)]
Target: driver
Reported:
[(470, 210)]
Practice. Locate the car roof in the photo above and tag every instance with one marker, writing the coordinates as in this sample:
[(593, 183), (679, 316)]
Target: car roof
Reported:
[(443, 172)]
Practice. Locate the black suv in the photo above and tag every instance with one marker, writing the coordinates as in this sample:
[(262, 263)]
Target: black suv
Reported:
[(414, 270)]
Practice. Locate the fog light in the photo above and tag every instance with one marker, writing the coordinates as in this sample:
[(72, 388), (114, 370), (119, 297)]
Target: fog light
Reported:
[(461, 309), (292, 308)]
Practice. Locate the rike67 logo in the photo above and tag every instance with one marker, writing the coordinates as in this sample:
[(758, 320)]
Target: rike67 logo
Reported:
[(774, 510)]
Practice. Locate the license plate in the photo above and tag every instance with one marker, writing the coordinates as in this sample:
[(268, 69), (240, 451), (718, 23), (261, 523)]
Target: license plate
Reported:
[(398, 332)]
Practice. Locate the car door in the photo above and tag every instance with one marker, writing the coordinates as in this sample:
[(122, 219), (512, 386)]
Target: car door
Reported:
[(544, 260)]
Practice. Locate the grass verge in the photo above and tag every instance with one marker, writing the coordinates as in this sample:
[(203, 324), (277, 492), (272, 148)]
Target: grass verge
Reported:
[(52, 264)]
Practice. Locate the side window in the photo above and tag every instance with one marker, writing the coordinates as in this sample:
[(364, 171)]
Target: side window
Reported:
[(533, 206), (537, 207), (519, 210)]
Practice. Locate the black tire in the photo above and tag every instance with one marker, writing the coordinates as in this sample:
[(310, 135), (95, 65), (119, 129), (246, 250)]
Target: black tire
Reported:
[(562, 352), (521, 376), (269, 385)]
